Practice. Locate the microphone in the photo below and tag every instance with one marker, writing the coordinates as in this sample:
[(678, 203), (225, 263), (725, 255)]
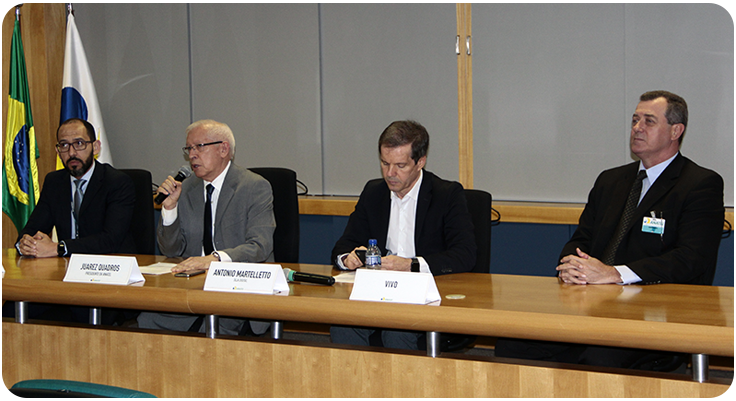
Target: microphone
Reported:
[(292, 276), (184, 172)]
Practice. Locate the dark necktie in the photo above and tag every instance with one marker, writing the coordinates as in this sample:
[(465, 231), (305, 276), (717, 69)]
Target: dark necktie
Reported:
[(78, 194), (623, 226), (207, 238)]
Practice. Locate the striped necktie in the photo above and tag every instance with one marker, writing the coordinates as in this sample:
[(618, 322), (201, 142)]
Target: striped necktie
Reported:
[(623, 226)]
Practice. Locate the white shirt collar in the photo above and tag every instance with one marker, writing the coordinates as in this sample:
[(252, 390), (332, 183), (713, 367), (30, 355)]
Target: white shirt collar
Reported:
[(87, 176), (220, 179), (413, 193), (655, 171)]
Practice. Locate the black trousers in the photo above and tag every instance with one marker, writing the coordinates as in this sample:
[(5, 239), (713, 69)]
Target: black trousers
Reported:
[(611, 357)]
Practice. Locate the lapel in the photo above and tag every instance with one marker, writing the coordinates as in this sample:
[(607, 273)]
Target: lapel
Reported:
[(622, 187), (64, 207), (195, 202), (662, 186), (227, 192), (93, 187), (425, 198)]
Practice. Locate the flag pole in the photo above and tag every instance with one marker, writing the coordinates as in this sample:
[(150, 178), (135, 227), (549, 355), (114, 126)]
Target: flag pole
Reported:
[(17, 12)]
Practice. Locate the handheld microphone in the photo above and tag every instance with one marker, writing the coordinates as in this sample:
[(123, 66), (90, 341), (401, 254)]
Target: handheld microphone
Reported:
[(184, 172), (292, 276)]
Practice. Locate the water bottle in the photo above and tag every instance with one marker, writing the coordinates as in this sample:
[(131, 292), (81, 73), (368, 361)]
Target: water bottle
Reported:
[(373, 255)]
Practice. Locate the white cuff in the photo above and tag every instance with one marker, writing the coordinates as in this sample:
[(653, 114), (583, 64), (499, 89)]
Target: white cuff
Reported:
[(627, 275), (423, 265), (168, 217)]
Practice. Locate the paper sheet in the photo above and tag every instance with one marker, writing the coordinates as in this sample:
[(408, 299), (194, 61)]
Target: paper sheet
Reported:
[(157, 268), (347, 277)]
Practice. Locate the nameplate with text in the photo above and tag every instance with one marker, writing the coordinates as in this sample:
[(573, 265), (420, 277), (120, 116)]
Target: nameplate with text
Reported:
[(103, 269), (394, 286), (254, 278)]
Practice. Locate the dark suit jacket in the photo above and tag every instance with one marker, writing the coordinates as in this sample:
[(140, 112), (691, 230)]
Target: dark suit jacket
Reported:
[(687, 196), (104, 217), (443, 234), (244, 220)]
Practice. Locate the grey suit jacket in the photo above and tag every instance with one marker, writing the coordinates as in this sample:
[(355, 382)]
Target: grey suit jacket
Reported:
[(244, 221)]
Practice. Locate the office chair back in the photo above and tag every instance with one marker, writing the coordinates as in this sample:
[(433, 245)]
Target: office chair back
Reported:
[(143, 226), (479, 205), (285, 210)]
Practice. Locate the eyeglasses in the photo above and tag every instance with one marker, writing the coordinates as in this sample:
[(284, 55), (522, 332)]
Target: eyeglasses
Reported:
[(199, 147), (78, 145)]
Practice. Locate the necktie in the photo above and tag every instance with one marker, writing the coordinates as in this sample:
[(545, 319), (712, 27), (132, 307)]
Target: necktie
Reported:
[(207, 238), (625, 223), (78, 195)]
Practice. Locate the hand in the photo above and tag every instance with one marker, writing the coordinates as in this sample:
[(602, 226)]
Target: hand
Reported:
[(584, 269), (194, 263), (393, 262), (352, 261), (40, 246), (172, 188)]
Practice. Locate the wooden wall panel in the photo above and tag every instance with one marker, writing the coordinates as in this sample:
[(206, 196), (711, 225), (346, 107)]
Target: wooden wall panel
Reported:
[(43, 30), (193, 366)]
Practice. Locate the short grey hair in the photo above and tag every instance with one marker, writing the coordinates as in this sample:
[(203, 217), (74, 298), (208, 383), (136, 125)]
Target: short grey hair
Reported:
[(218, 131)]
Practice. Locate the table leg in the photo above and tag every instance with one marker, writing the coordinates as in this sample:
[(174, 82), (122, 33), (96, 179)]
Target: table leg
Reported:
[(700, 367), (433, 344), (95, 316), (21, 311), (211, 325), (277, 330)]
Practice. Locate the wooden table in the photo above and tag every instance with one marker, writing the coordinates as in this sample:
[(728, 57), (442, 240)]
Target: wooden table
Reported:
[(679, 318)]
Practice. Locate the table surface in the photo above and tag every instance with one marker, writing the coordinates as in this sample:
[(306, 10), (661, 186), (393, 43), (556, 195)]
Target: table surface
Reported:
[(668, 317)]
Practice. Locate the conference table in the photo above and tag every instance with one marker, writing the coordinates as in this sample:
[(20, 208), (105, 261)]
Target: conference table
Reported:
[(691, 319)]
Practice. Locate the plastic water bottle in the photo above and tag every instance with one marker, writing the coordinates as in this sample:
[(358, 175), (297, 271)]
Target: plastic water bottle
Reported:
[(373, 255)]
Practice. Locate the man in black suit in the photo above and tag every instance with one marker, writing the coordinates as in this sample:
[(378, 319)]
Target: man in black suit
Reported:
[(102, 221), (671, 236), (99, 225), (422, 219)]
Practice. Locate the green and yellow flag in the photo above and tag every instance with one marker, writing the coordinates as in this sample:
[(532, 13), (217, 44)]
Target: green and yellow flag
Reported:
[(20, 172)]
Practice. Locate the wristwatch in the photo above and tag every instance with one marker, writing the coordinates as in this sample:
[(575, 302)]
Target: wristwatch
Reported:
[(415, 265), (61, 248), (217, 255)]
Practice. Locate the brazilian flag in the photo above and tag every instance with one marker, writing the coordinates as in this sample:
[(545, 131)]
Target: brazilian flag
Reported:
[(20, 172)]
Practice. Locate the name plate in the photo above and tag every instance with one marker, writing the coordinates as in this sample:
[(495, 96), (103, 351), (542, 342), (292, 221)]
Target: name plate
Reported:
[(394, 286), (103, 269), (254, 278)]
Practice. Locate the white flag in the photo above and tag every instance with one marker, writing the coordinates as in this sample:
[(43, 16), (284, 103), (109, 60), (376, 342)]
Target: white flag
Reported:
[(78, 95)]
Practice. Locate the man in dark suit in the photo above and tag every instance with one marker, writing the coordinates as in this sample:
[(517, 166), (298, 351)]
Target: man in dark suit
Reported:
[(99, 224), (422, 219), (241, 222), (672, 233), (102, 222)]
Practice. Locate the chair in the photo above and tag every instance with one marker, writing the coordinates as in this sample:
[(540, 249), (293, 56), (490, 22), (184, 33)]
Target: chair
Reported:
[(143, 226), (72, 389), (479, 206), (286, 212)]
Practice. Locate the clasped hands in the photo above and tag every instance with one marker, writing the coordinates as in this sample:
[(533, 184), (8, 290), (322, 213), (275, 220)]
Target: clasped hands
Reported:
[(39, 246), (389, 262), (584, 269)]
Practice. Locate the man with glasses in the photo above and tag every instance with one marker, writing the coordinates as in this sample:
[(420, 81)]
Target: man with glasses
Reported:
[(90, 203), (224, 214)]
